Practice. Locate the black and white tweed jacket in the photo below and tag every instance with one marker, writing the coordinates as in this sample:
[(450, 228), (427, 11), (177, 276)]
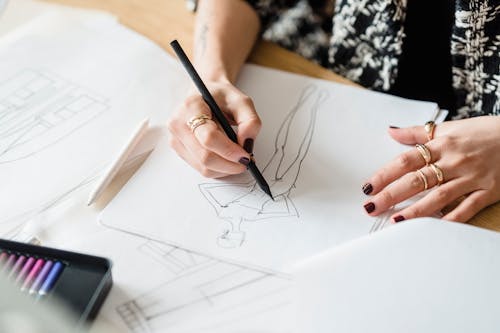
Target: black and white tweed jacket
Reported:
[(363, 42)]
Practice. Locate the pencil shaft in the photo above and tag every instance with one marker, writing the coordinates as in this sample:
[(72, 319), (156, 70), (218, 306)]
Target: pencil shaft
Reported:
[(207, 97)]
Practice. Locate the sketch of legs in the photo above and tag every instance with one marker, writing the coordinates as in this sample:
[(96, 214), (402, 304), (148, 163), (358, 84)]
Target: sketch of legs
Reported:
[(37, 109), (199, 285), (240, 203)]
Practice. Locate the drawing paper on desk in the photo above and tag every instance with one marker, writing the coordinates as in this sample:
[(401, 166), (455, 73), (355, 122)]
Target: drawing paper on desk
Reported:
[(443, 277), (159, 288), (318, 143), (71, 91)]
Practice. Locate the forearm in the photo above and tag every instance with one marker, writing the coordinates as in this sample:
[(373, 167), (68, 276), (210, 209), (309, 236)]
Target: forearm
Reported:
[(225, 33)]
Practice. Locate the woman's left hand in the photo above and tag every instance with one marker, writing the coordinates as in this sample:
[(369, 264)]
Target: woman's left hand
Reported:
[(468, 154)]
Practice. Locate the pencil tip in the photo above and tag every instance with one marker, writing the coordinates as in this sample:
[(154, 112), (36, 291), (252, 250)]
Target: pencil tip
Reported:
[(268, 191)]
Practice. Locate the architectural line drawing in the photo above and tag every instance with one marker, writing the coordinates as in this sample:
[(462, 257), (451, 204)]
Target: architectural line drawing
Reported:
[(239, 203), (201, 287), (175, 259), (38, 109)]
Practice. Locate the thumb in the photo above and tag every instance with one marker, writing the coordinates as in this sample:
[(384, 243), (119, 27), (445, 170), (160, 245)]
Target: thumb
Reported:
[(409, 135)]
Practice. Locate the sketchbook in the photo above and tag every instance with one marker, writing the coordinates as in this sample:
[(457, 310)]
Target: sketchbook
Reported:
[(319, 142), (73, 86), (420, 276)]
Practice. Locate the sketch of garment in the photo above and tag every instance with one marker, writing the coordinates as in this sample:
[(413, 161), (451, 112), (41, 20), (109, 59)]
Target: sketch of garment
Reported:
[(37, 109), (213, 291), (245, 202)]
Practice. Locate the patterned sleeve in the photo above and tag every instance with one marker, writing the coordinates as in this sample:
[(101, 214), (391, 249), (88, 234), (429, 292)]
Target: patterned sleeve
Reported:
[(301, 26), (269, 10)]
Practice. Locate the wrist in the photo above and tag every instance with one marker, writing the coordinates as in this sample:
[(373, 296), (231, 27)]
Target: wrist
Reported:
[(216, 75), (213, 73), (211, 77)]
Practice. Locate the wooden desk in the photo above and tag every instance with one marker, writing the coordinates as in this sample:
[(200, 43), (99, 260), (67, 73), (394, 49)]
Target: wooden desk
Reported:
[(164, 20)]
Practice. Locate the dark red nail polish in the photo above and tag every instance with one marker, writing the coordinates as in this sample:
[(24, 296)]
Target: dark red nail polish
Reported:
[(370, 207), (248, 145), (393, 127), (367, 188), (398, 218), (244, 161)]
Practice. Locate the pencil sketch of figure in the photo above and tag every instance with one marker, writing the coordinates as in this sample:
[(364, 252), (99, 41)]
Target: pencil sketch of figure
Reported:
[(38, 109), (236, 204)]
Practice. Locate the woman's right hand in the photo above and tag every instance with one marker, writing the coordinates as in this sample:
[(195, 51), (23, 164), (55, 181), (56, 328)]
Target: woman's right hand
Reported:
[(208, 149)]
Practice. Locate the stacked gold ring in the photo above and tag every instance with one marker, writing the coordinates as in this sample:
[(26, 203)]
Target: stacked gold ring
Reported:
[(430, 127), (439, 173), (425, 152), (423, 178), (197, 121)]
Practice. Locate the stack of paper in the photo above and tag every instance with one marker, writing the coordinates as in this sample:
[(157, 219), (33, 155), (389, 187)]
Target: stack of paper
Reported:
[(72, 89)]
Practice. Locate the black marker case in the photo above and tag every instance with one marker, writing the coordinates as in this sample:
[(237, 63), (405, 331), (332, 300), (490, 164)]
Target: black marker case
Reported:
[(84, 283)]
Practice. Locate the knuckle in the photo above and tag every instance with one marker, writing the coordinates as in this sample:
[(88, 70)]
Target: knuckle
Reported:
[(377, 180), (474, 204), (191, 102), (209, 139), (465, 157), (230, 154), (447, 142), (415, 181), (387, 198), (416, 212), (257, 122), (205, 157), (441, 194), (247, 100), (404, 161), (205, 172), (456, 216)]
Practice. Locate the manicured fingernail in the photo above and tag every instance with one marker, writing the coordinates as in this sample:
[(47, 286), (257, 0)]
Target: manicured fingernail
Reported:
[(248, 145), (393, 127), (398, 218), (367, 188), (370, 207), (244, 160)]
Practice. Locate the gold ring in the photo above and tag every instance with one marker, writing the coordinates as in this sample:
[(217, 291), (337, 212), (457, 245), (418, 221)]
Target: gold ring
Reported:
[(439, 173), (424, 179), (197, 121), (430, 127), (425, 152)]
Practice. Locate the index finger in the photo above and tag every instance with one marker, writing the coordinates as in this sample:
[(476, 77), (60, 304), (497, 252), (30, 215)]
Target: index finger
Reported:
[(401, 165), (409, 135)]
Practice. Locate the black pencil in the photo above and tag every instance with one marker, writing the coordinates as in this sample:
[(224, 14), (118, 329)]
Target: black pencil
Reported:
[(216, 111)]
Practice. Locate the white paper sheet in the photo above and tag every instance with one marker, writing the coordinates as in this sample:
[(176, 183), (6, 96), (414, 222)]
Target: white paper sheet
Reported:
[(162, 288), (72, 89), (318, 144), (420, 276)]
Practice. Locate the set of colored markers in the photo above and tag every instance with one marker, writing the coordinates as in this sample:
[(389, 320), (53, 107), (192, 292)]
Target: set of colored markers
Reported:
[(79, 281), (34, 275)]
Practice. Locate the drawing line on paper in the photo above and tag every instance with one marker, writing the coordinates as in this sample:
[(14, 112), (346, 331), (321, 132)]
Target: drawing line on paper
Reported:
[(381, 222), (239, 203), (38, 109), (197, 283), (210, 286)]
